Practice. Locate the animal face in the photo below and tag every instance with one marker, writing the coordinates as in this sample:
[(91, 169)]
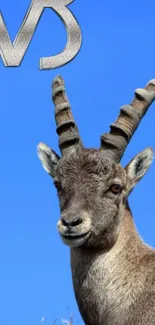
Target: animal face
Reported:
[(92, 191)]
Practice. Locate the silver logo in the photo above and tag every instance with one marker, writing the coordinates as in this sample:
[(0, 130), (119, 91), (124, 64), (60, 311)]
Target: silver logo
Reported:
[(13, 54)]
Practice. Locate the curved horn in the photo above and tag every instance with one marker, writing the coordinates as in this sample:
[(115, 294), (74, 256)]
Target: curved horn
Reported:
[(116, 141), (69, 138)]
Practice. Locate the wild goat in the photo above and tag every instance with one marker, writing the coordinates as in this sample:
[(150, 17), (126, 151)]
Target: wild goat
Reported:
[(113, 270)]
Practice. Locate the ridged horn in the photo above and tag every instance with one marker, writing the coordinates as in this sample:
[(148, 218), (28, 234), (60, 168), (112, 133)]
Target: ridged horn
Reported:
[(116, 141), (69, 138)]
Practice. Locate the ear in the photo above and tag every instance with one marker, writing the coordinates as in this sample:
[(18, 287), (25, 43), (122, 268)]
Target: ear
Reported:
[(137, 168), (48, 158)]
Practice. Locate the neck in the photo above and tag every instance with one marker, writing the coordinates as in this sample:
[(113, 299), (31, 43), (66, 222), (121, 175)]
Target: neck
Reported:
[(107, 278)]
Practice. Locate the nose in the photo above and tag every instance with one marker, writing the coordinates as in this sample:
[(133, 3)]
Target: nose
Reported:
[(75, 221)]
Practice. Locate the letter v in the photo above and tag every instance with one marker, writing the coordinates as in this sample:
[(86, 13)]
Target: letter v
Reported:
[(12, 54)]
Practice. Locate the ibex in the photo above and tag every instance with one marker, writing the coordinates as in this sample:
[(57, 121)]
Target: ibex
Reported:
[(113, 270)]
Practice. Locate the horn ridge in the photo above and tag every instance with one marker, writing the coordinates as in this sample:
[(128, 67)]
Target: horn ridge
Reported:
[(69, 137), (116, 141)]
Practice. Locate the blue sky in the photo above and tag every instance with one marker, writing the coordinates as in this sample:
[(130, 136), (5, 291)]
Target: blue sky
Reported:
[(117, 56)]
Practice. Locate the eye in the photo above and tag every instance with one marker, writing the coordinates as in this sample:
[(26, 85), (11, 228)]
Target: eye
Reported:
[(116, 188)]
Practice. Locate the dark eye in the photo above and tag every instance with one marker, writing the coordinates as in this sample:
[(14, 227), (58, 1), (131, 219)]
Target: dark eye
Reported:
[(116, 188)]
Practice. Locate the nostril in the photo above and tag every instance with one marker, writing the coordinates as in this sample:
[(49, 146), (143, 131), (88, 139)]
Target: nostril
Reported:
[(64, 222), (74, 222)]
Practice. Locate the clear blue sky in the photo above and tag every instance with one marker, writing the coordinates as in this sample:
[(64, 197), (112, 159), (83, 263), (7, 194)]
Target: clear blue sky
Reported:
[(117, 56)]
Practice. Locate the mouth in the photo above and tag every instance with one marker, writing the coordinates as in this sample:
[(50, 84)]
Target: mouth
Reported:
[(74, 240)]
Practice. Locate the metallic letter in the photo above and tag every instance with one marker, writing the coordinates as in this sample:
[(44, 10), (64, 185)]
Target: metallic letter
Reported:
[(12, 54)]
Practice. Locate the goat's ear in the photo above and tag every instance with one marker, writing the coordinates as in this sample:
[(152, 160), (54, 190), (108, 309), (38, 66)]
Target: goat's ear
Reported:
[(137, 168), (48, 158)]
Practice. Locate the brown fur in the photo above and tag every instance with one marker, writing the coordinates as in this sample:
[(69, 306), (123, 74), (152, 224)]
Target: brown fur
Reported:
[(113, 270)]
